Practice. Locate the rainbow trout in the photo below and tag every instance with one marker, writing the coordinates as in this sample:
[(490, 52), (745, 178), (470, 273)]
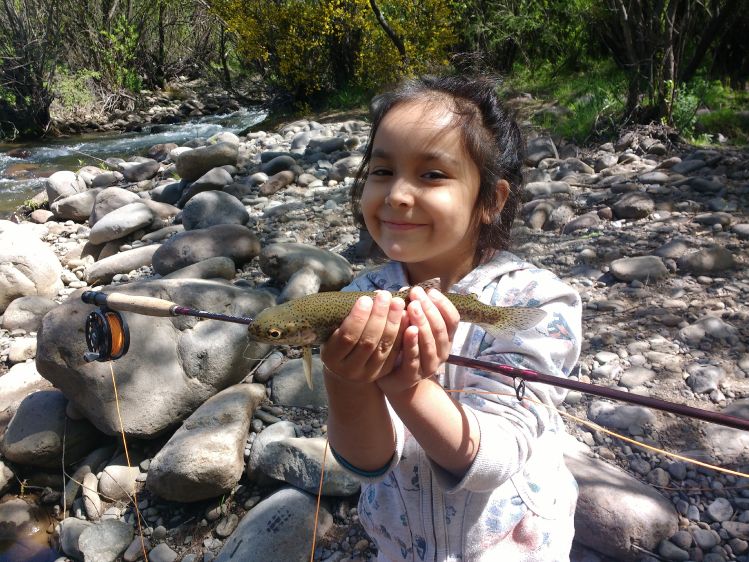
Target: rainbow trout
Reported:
[(310, 320)]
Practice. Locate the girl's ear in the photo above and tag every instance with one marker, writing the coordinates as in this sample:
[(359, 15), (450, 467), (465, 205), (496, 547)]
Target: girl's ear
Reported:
[(503, 192)]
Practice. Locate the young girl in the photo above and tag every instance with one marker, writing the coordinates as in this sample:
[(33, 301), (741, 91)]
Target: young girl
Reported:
[(450, 475)]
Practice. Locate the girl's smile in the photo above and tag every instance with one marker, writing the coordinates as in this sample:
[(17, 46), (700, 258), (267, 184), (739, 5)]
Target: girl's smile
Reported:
[(420, 194)]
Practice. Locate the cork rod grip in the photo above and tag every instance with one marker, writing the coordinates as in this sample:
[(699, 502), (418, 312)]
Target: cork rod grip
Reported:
[(149, 306)]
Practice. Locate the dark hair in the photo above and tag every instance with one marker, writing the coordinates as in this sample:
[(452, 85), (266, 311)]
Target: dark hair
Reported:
[(491, 137)]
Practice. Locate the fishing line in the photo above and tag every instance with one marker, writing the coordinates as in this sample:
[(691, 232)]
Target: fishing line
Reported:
[(127, 458), (319, 497)]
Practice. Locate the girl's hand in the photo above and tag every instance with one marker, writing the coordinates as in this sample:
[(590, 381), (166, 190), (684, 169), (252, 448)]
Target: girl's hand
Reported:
[(427, 341), (366, 344)]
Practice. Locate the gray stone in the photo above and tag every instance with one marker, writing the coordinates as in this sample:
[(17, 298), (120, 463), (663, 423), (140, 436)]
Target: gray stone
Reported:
[(707, 261), (203, 459), (646, 269), (141, 171), (35, 434), (213, 180), (194, 359), (633, 205), (118, 482), (636, 376), (194, 163), (224, 240), (211, 268), (280, 164), (613, 509), (105, 269), (26, 313), (720, 509), (619, 416), (64, 183), (121, 222), (345, 167), (289, 387), (105, 541), (275, 432), (77, 207), (283, 261), (273, 528), (162, 553), (540, 148), (277, 182), (70, 531), (109, 199), (213, 207), (298, 461), (28, 267)]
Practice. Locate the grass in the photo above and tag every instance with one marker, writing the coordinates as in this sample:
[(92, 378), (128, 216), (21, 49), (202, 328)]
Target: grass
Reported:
[(580, 105)]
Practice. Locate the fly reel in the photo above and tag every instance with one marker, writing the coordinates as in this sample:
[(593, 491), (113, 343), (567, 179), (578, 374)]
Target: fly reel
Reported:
[(107, 335)]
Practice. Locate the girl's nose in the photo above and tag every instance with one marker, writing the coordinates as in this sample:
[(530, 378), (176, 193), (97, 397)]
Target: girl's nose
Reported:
[(400, 193)]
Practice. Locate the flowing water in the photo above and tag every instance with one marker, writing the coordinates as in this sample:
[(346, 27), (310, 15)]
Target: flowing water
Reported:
[(21, 178)]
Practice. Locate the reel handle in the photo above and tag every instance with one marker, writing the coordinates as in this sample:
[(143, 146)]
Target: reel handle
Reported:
[(149, 306)]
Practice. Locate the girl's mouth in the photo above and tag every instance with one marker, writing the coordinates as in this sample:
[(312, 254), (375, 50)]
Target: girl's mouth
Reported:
[(400, 225)]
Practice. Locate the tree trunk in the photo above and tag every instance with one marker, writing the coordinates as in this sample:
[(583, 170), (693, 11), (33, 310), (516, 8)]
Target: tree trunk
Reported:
[(397, 41)]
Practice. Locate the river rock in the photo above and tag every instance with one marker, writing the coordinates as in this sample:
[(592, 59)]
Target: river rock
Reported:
[(277, 182), (21, 380), (212, 180), (647, 269), (105, 269), (139, 171), (203, 459), (633, 206), (70, 531), (619, 416), (194, 163), (26, 313), (212, 268), (105, 541), (278, 528), (289, 386), (121, 222), (614, 509), (228, 240), (727, 444), (707, 261), (279, 164), (284, 262), (213, 207), (35, 434), (77, 207), (6, 478), (118, 482), (192, 360), (110, 199), (64, 183), (298, 461), (540, 148), (276, 432), (345, 167), (28, 267)]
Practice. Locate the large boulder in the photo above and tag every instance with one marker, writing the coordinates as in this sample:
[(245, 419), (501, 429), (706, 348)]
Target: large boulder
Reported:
[(109, 199), (123, 262), (222, 240), (64, 183), (26, 313), (203, 459), (21, 380), (615, 510), (213, 207), (76, 207), (27, 265), (40, 435), (121, 222), (173, 364), (194, 163)]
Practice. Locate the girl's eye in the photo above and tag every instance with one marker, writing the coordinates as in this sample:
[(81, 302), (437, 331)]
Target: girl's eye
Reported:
[(434, 175), (380, 172)]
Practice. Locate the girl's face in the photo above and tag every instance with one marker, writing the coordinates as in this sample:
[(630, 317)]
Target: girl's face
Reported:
[(419, 198)]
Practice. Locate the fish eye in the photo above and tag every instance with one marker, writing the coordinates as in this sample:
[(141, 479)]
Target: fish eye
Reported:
[(274, 333)]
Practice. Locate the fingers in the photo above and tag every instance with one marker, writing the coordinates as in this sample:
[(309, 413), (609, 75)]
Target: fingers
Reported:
[(364, 340), (436, 319)]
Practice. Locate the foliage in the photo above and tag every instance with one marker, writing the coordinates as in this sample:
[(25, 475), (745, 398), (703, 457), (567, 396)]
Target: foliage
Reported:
[(118, 53), (307, 48), (74, 93)]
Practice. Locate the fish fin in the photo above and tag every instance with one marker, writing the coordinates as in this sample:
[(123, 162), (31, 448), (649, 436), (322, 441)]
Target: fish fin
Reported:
[(515, 319), (307, 362), (433, 283)]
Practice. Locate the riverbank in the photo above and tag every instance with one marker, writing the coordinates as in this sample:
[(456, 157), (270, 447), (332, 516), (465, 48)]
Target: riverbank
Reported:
[(653, 235)]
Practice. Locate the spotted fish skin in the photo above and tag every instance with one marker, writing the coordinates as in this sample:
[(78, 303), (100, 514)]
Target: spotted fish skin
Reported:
[(310, 320)]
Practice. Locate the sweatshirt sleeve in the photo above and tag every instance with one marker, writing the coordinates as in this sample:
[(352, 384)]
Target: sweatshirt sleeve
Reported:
[(513, 432)]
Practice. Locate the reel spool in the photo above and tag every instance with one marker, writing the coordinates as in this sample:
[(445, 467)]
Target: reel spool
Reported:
[(107, 336)]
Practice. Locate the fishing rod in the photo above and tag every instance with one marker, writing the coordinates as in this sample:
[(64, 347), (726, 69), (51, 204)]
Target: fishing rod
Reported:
[(107, 338)]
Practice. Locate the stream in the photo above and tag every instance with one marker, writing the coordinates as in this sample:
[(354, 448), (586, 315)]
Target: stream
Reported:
[(22, 177)]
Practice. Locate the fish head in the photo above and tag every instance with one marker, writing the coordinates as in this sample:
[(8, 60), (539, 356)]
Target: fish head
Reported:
[(273, 325)]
